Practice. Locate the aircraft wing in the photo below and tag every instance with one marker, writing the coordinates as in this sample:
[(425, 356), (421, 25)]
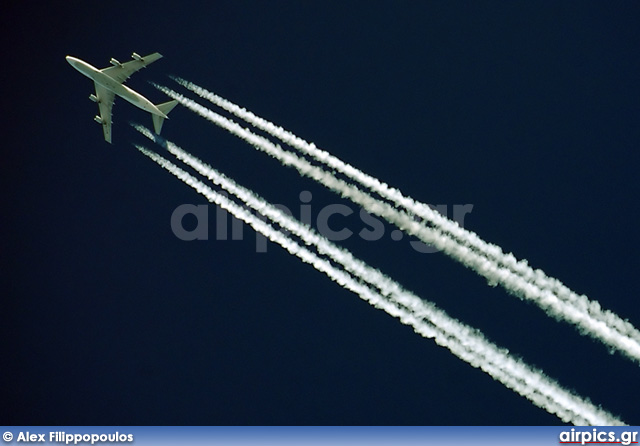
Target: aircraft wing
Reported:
[(123, 71), (105, 103)]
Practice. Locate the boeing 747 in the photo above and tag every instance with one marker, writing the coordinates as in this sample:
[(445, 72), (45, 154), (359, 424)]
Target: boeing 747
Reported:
[(109, 82)]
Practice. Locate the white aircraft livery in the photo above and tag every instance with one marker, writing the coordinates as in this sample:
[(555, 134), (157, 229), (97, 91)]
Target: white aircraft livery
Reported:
[(109, 82)]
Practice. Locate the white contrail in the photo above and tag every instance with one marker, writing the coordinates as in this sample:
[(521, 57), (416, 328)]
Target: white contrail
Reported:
[(460, 339), (579, 315), (440, 222)]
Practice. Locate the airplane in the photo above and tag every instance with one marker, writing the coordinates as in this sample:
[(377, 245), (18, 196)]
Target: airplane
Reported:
[(109, 82)]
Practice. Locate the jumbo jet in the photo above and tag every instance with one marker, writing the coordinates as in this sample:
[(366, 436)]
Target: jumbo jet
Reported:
[(109, 82)]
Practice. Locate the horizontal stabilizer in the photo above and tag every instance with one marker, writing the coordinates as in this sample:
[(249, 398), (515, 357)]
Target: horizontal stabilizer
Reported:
[(159, 120)]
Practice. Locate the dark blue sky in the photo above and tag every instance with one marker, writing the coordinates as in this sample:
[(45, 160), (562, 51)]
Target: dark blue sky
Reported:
[(529, 112)]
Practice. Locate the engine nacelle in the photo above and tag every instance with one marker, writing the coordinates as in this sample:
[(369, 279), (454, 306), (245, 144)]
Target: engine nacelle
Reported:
[(115, 63), (137, 56), (98, 119), (94, 98)]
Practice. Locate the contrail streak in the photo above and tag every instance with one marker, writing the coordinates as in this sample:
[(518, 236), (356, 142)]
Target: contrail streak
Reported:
[(579, 315), (440, 222), (463, 341)]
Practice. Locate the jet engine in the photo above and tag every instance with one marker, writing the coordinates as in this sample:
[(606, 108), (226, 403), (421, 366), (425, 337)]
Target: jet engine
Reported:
[(137, 56), (94, 98), (98, 119), (115, 63)]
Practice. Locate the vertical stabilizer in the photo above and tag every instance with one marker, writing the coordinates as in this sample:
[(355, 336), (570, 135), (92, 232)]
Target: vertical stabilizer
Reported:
[(159, 120)]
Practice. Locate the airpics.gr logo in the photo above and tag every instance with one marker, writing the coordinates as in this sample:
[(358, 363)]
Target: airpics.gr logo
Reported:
[(329, 221), (601, 437)]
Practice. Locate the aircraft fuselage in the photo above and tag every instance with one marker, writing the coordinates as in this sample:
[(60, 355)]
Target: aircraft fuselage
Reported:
[(109, 83)]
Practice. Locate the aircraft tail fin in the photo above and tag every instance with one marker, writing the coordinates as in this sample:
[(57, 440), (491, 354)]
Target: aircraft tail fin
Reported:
[(164, 108)]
